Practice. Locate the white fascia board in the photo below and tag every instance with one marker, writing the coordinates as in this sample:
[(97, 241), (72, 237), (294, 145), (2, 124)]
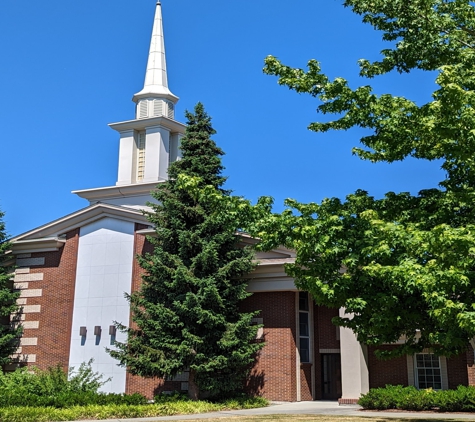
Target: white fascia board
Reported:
[(154, 93), (274, 261), (262, 273), (274, 285), (147, 232), (45, 244), (114, 192), (142, 124), (81, 218), (247, 239)]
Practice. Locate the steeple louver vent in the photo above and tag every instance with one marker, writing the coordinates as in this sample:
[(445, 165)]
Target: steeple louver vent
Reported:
[(141, 156), (171, 111), (157, 108), (143, 109)]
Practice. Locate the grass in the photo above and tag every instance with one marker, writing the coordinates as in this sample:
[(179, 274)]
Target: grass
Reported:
[(96, 412)]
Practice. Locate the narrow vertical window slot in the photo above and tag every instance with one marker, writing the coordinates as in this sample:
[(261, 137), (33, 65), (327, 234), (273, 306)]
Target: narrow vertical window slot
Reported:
[(304, 327), (141, 156)]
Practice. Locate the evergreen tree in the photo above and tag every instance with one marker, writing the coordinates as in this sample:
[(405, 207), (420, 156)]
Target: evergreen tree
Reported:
[(186, 313), (9, 334)]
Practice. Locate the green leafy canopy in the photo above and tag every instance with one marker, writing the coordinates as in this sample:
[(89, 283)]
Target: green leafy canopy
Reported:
[(402, 265)]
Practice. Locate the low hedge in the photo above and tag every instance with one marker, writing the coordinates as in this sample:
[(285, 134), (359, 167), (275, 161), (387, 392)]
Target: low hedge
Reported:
[(123, 411), (410, 398), (68, 399)]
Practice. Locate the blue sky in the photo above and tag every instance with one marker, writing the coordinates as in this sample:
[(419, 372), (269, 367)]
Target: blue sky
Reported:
[(68, 68)]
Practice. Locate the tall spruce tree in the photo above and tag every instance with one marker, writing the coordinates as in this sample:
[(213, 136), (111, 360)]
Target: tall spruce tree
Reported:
[(9, 334), (186, 314)]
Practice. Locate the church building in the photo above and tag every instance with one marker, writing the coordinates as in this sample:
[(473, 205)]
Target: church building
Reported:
[(72, 274)]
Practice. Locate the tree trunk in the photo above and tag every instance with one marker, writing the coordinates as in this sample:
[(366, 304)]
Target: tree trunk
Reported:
[(193, 389)]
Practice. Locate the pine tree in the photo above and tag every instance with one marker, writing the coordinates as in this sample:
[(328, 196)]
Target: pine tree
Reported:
[(186, 313), (9, 334)]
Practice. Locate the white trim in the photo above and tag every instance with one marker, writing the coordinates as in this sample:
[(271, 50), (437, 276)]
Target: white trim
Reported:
[(272, 286), (46, 244), (142, 124), (83, 217), (274, 261), (119, 191)]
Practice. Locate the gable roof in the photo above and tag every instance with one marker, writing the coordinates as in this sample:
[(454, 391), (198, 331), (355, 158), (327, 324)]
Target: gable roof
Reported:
[(81, 218)]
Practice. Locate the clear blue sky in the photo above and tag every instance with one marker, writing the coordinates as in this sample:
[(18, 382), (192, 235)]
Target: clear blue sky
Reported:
[(68, 68)]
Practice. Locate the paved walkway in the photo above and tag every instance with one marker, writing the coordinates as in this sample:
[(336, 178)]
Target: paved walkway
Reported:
[(305, 408)]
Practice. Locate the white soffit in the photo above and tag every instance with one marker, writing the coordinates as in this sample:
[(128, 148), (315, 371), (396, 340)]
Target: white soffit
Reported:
[(46, 244), (142, 124), (113, 192)]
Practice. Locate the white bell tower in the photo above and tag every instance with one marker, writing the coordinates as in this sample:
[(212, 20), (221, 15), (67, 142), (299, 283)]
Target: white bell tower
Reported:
[(150, 142)]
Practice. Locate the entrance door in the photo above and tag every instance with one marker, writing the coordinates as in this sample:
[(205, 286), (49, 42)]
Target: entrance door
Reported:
[(331, 376)]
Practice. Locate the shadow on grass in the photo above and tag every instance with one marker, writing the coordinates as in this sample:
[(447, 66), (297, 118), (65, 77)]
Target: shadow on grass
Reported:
[(327, 418)]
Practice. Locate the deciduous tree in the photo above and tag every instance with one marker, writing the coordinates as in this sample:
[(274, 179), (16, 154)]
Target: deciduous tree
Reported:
[(403, 266)]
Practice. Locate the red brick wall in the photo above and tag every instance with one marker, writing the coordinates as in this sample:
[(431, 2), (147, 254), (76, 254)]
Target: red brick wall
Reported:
[(274, 375), (306, 381), (457, 371), (149, 387), (55, 318), (382, 372), (470, 367), (327, 331)]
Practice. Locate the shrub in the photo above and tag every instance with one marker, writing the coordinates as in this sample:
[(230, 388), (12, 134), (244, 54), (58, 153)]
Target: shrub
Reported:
[(171, 397), (409, 398), (32, 380), (56, 388)]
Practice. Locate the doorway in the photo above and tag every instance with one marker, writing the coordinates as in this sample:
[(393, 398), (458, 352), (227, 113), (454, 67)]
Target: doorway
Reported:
[(331, 376)]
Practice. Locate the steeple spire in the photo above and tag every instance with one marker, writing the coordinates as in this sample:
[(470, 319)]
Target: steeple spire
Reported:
[(156, 80), (151, 141)]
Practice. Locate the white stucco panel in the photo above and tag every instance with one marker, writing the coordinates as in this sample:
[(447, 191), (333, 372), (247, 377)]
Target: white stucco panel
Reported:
[(104, 274)]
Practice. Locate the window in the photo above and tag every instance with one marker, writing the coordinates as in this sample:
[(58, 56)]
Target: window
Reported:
[(304, 327), (427, 371)]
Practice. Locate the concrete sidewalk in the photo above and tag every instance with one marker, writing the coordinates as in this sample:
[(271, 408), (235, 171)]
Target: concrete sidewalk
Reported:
[(305, 408)]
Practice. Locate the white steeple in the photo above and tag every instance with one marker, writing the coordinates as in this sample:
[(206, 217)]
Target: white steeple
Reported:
[(155, 98), (150, 142)]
